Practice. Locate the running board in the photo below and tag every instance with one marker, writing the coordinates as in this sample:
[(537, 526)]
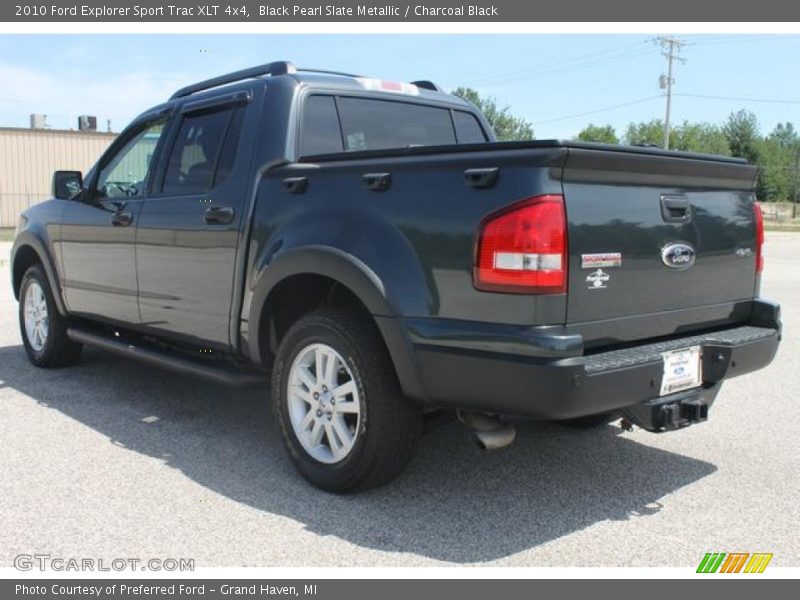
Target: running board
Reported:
[(166, 360)]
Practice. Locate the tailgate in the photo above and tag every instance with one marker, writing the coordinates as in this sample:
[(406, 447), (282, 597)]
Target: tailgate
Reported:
[(659, 235)]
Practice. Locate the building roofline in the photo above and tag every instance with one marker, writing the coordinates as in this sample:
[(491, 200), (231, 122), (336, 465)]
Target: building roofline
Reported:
[(48, 130)]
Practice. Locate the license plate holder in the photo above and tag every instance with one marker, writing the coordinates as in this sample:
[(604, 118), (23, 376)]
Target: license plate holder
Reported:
[(682, 370)]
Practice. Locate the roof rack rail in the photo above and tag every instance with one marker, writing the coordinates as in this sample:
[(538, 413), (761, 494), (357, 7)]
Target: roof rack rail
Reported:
[(281, 67), (324, 72), (427, 85)]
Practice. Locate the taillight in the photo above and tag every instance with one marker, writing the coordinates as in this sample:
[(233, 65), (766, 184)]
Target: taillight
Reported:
[(523, 248), (759, 236)]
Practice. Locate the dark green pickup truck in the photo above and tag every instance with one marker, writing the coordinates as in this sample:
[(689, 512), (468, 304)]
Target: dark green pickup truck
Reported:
[(368, 246)]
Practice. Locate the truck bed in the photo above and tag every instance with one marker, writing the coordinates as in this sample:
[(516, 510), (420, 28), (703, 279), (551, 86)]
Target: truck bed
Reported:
[(527, 144), (428, 220)]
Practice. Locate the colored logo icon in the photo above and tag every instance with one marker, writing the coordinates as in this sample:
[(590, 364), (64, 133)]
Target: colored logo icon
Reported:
[(734, 562)]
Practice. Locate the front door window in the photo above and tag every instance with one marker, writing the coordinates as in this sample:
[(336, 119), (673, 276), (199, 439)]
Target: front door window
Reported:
[(125, 175)]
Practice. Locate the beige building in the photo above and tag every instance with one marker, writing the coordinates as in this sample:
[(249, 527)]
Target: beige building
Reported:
[(28, 158)]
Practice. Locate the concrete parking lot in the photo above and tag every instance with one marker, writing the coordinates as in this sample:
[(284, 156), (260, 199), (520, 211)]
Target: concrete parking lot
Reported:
[(113, 459)]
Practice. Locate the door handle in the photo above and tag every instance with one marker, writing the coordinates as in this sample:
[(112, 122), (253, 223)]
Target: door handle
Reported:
[(219, 215), (121, 219), (676, 209), (376, 182), (295, 185), (481, 178)]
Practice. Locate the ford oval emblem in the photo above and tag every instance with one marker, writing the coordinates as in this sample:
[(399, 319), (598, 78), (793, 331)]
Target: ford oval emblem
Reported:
[(678, 256)]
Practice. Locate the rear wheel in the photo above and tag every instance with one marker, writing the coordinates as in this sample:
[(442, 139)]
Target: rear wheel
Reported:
[(44, 330), (336, 397)]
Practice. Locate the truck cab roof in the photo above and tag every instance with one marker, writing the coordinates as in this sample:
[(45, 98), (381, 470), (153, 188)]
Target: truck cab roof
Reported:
[(423, 89), (356, 83)]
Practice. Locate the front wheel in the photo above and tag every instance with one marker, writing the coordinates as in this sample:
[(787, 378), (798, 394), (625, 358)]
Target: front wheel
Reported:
[(44, 330), (336, 397)]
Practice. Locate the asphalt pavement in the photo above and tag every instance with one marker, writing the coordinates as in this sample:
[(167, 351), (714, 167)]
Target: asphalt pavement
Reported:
[(114, 459)]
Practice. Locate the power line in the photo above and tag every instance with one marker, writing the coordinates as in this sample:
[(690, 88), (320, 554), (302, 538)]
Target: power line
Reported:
[(559, 70), (609, 55), (599, 110), (739, 98), (671, 47), (624, 53), (582, 57), (742, 39), (682, 94)]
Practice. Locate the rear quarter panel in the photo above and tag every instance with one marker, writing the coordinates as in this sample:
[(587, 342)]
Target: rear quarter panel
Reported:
[(417, 236)]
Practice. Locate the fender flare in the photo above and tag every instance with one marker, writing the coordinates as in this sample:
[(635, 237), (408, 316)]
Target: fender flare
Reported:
[(30, 240), (352, 273)]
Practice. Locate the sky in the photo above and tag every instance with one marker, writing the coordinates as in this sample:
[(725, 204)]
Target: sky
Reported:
[(558, 82)]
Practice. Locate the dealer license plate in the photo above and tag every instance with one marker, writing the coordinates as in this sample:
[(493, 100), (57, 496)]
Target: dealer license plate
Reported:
[(682, 370)]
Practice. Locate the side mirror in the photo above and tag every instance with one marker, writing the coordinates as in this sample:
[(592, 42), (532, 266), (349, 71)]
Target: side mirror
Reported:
[(67, 184)]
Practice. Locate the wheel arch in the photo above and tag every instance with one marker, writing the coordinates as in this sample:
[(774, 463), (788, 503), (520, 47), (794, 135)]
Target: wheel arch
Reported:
[(348, 276), (27, 251)]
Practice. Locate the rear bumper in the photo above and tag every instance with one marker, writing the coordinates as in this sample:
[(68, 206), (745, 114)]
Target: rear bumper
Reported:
[(553, 387)]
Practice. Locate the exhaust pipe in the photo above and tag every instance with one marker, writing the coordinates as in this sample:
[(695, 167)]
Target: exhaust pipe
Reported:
[(491, 432)]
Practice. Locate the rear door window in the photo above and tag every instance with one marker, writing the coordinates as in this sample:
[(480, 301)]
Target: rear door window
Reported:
[(204, 151), (227, 154)]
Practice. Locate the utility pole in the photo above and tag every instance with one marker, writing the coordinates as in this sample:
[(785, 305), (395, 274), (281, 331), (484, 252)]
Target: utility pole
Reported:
[(796, 180), (671, 46)]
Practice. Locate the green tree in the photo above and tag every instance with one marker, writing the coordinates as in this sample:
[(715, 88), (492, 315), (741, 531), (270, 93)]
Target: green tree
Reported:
[(506, 126), (700, 137), (741, 131), (778, 162), (776, 155), (646, 133), (785, 135), (774, 171), (688, 137), (599, 133)]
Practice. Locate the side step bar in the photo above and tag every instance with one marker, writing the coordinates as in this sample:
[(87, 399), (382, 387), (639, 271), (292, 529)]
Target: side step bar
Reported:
[(165, 360)]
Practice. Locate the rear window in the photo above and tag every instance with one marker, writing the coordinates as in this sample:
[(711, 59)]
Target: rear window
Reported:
[(379, 124), (468, 130), (349, 124), (321, 134)]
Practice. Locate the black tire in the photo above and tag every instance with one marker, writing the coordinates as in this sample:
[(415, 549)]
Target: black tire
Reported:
[(390, 425), (590, 421), (58, 350)]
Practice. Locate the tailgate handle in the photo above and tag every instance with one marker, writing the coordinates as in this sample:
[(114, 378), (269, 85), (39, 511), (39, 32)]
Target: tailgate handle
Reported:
[(676, 209), (481, 178), (295, 185), (377, 182)]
